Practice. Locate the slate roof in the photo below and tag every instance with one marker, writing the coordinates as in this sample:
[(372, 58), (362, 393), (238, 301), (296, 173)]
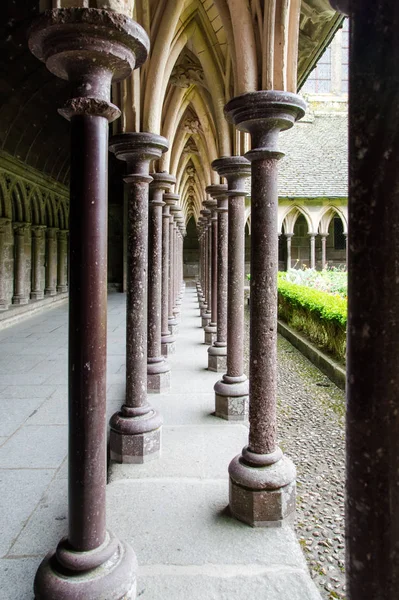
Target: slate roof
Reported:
[(315, 163)]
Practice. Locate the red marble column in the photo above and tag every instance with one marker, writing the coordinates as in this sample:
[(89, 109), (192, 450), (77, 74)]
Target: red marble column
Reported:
[(217, 353), (173, 324), (206, 308), (91, 48), (136, 429), (168, 340), (210, 330), (231, 392), (158, 369), (262, 479)]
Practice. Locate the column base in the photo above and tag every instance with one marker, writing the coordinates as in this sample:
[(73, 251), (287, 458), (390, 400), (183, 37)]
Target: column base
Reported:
[(158, 376), (231, 398), (62, 289), (37, 295), (135, 435), (19, 301), (168, 345), (262, 489), (50, 292), (3, 305), (107, 572), (217, 358), (173, 326), (210, 334), (205, 319)]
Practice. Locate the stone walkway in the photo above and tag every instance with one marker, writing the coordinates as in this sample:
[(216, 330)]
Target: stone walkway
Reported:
[(173, 511)]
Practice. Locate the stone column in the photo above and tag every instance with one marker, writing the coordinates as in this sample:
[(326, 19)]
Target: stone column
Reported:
[(210, 331), (206, 308), (231, 392), (51, 261), (37, 291), (62, 255), (346, 249), (312, 238), (175, 212), (136, 429), (158, 369), (262, 479), (217, 353), (91, 48), (4, 225), (323, 250), (20, 294), (372, 387), (200, 284), (173, 325), (168, 345), (288, 237)]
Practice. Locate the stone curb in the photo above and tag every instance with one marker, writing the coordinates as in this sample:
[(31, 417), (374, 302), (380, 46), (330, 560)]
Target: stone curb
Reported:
[(12, 316), (327, 365)]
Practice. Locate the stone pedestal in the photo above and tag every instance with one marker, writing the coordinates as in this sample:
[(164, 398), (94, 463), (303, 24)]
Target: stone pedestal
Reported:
[(37, 291), (20, 295), (158, 369), (136, 429), (231, 392), (91, 48), (4, 226), (62, 261), (262, 480)]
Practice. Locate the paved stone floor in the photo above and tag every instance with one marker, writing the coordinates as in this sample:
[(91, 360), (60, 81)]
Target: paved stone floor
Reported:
[(173, 511)]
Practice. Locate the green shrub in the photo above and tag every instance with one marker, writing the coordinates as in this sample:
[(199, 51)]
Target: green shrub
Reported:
[(319, 315)]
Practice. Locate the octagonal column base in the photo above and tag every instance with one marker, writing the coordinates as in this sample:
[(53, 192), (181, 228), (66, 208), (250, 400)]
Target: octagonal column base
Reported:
[(173, 328), (168, 345), (135, 435), (113, 575), (205, 319), (210, 334), (231, 398), (217, 358), (158, 376), (264, 495)]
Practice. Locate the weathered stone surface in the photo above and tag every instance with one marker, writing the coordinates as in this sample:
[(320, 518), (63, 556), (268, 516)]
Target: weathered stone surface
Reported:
[(232, 408), (266, 508), (136, 449), (158, 382)]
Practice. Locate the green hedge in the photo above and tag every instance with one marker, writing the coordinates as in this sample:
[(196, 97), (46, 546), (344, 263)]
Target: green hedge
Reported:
[(320, 316)]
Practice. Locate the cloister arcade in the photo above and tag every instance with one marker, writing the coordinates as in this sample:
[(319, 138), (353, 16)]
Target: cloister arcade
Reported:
[(165, 116)]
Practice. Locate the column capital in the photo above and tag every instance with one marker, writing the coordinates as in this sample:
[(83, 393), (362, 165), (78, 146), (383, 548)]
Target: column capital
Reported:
[(4, 222), (236, 169), (91, 48), (312, 233), (62, 234), (162, 181), (51, 232), (264, 114), (323, 234), (288, 235), (138, 150), (216, 190), (38, 230), (21, 228)]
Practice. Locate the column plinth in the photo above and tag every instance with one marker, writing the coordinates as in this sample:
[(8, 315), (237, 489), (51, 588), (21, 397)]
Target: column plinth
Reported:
[(136, 429), (231, 392), (262, 479), (4, 225), (158, 369), (217, 353), (91, 48)]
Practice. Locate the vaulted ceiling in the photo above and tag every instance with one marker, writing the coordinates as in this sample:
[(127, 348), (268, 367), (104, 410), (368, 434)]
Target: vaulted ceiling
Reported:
[(203, 52)]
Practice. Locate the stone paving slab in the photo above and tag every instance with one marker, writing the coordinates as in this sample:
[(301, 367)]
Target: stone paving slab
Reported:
[(16, 578), (187, 409), (223, 584), (210, 452), (36, 446), (21, 490), (15, 413)]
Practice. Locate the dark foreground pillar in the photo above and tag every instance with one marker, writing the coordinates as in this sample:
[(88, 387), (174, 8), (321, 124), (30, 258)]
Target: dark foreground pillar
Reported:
[(91, 48), (372, 507), (158, 369), (136, 428), (231, 392), (262, 479), (217, 353)]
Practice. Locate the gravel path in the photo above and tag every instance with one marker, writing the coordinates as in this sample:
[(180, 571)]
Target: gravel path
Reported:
[(311, 431)]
